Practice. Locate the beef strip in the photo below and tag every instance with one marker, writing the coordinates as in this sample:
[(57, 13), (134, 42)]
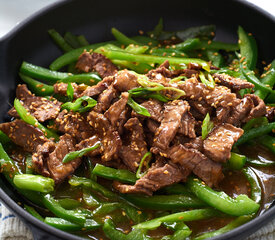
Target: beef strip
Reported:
[(132, 152), (218, 144), (23, 134), (199, 109), (195, 143), (125, 80), (235, 84), (210, 172), (41, 108), (158, 176), (105, 98), (187, 125), (172, 117), (97, 62), (74, 124), (152, 125), (52, 155), (114, 112), (108, 135), (97, 89), (89, 142), (61, 88), (259, 108)]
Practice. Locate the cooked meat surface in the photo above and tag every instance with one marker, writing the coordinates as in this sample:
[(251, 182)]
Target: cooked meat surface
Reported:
[(61, 88)]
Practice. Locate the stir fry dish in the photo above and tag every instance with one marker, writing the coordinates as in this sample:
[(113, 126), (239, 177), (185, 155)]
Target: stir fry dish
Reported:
[(165, 135)]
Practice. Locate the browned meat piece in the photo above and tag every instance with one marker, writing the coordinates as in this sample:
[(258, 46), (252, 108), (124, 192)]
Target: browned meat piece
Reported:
[(156, 178), (154, 107), (270, 113), (195, 143), (152, 125), (222, 114), (125, 80), (97, 62), (199, 109), (51, 155), (259, 108), (23, 134), (218, 144), (187, 125), (74, 124), (210, 172), (108, 135), (89, 142), (135, 147), (61, 88), (123, 117), (172, 117), (95, 90), (41, 108), (194, 66), (114, 112), (161, 71), (236, 84), (105, 98)]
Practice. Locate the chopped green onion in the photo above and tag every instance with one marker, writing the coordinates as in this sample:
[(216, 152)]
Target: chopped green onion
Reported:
[(77, 106), (70, 91), (207, 126), (146, 155), (138, 108), (209, 83)]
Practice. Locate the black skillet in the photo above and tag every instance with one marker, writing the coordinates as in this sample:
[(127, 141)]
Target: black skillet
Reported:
[(29, 41)]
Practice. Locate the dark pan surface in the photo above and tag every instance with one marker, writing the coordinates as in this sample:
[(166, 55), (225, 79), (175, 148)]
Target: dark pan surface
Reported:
[(30, 41)]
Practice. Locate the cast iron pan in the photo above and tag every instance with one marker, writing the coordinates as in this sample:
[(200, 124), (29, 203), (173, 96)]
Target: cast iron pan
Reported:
[(94, 18)]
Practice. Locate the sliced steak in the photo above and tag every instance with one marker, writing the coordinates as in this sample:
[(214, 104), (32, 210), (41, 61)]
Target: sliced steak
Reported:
[(41, 108), (74, 124), (259, 108), (152, 125), (24, 135), (114, 112), (125, 80), (61, 88), (199, 109), (172, 117), (132, 152), (187, 125), (210, 172), (235, 84), (108, 135), (156, 178), (195, 143), (97, 62), (97, 89), (218, 144), (89, 142)]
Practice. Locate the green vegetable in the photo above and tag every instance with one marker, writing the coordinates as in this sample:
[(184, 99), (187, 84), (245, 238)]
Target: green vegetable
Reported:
[(4, 139), (68, 226), (268, 142), (202, 32), (255, 122), (165, 202), (34, 182), (157, 29), (89, 198), (256, 191), (207, 126), (255, 132), (106, 208), (236, 161), (69, 203), (136, 49), (33, 212), (38, 88), (138, 108), (262, 162), (77, 154), (70, 91), (59, 40), (215, 45), (176, 188), (234, 224), (182, 231), (188, 44), (186, 216), (145, 93), (241, 205), (146, 155), (77, 105), (209, 83), (72, 40), (28, 164), (121, 175), (215, 57), (122, 38), (82, 40), (28, 118), (248, 48)]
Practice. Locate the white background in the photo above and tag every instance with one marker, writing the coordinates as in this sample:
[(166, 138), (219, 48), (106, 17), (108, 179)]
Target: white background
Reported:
[(14, 11)]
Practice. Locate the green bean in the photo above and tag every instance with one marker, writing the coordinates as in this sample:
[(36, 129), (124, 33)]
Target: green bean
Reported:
[(33, 212), (157, 29), (255, 132), (269, 142), (34, 182), (236, 161), (226, 71), (143, 40), (167, 52), (202, 32), (82, 40), (136, 49), (69, 203), (121, 175), (241, 205), (176, 188), (262, 162), (72, 40), (248, 48), (120, 37), (26, 117), (106, 208), (38, 88), (138, 68), (234, 224), (68, 226), (215, 45), (120, 55), (59, 40), (215, 57), (165, 202), (186, 216), (69, 215), (188, 44), (77, 105), (73, 55), (255, 122), (89, 198), (90, 169), (77, 154), (256, 191)]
